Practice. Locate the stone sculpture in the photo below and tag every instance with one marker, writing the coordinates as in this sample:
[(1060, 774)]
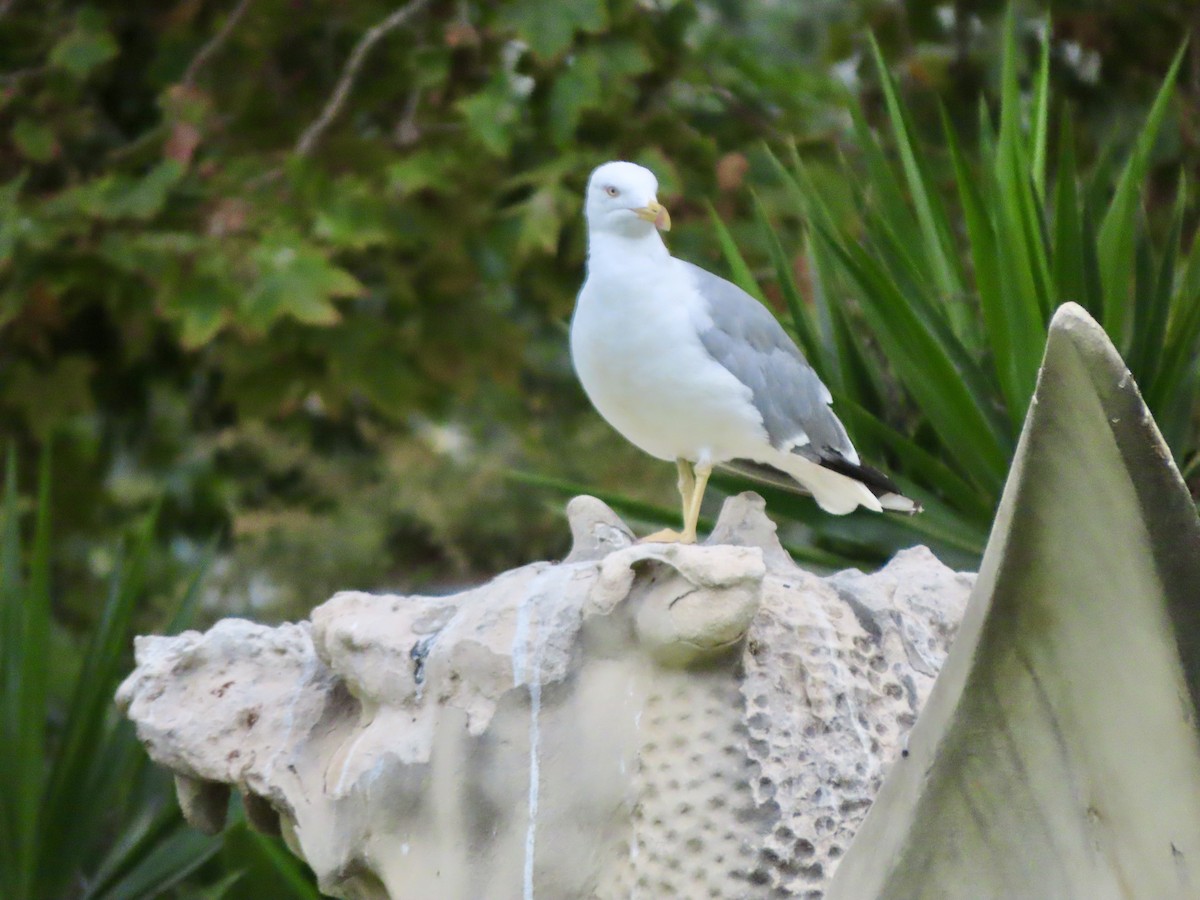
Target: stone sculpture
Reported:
[(647, 720), (1059, 755), (662, 720)]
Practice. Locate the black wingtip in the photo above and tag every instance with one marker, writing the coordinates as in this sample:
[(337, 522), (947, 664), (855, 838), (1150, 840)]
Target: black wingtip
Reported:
[(890, 496), (879, 484)]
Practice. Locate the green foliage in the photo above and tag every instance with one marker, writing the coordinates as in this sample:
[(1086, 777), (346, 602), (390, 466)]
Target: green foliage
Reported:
[(87, 45), (191, 294), (58, 811), (82, 811), (180, 285), (960, 323)]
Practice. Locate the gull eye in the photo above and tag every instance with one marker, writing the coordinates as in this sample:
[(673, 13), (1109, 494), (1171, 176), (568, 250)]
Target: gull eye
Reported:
[(612, 191)]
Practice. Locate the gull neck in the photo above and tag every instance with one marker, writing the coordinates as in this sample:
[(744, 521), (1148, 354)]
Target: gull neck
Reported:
[(608, 245)]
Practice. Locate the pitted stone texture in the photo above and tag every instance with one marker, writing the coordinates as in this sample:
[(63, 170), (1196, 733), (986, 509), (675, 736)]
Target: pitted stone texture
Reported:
[(696, 826), (859, 653), (641, 720)]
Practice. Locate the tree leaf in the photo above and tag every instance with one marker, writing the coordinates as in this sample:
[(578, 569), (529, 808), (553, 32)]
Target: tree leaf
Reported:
[(739, 271), (35, 140), (541, 222), (1041, 113), (931, 217), (549, 28), (1116, 237), (925, 366), (576, 90), (1069, 265), (492, 116), (353, 217), (84, 47), (202, 307), (801, 323), (296, 279)]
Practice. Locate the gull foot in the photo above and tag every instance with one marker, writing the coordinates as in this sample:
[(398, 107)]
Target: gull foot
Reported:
[(668, 536)]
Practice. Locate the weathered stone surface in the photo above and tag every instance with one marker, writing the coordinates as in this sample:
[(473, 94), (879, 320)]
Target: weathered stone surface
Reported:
[(1058, 755), (712, 721), (639, 720)]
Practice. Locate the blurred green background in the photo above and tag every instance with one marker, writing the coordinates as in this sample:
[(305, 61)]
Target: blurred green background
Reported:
[(285, 284)]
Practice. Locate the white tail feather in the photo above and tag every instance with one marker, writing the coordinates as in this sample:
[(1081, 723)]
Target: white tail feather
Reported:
[(899, 503), (834, 493)]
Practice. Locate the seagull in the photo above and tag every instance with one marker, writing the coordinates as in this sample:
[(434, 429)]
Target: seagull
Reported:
[(689, 367)]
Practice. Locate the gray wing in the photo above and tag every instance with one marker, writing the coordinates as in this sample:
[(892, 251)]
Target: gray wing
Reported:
[(749, 342)]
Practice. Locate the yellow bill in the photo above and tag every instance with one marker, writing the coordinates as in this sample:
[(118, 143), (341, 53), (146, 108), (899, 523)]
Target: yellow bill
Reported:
[(657, 213)]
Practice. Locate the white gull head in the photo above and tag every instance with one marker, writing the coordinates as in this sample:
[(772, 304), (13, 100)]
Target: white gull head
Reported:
[(621, 200)]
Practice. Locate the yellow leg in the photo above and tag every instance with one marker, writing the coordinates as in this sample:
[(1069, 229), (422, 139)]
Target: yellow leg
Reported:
[(686, 483), (687, 490), (692, 508)]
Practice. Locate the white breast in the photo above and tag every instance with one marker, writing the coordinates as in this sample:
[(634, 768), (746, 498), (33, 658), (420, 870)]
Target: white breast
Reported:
[(635, 346)]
